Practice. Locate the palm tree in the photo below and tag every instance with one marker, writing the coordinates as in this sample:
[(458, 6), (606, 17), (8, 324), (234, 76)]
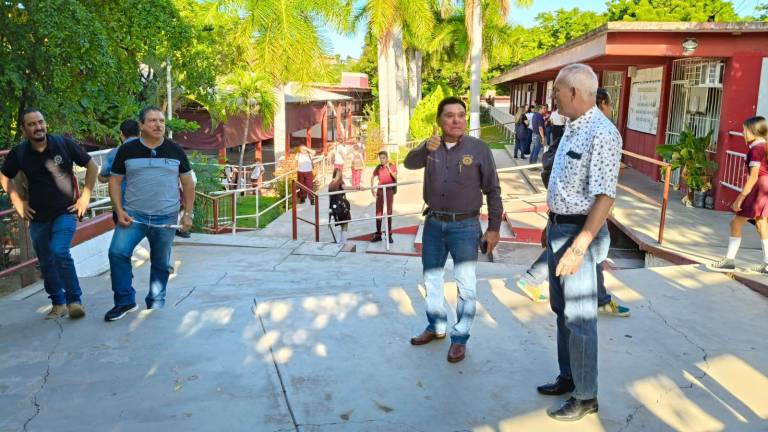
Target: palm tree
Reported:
[(283, 41), (389, 21), (242, 92), (473, 13)]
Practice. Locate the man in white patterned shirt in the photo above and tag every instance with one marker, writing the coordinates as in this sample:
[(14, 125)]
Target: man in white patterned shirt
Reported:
[(581, 191)]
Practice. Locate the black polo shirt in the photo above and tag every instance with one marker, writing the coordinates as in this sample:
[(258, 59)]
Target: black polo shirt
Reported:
[(52, 184)]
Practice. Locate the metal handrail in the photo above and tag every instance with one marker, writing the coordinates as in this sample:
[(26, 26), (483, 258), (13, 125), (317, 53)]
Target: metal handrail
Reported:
[(667, 176)]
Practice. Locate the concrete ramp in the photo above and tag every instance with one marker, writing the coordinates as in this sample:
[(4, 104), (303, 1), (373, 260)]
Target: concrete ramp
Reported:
[(265, 339)]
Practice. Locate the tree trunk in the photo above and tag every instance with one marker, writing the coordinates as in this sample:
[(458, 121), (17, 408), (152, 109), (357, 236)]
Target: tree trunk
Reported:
[(414, 78), (240, 173), (476, 58), (399, 105), (279, 138), (383, 59)]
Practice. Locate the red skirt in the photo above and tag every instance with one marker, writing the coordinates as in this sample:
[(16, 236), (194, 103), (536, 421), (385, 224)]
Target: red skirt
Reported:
[(755, 205)]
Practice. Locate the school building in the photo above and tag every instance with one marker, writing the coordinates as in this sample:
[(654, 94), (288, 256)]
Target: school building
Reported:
[(664, 77)]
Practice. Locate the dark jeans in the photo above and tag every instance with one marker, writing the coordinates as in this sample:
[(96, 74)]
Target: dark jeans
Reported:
[(124, 241), (461, 239), (574, 300), (539, 272), (306, 179), (380, 208), (51, 241), (536, 144)]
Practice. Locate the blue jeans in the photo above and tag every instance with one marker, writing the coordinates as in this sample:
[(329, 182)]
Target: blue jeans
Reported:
[(51, 241), (536, 147), (461, 239), (124, 241), (574, 300), (538, 273)]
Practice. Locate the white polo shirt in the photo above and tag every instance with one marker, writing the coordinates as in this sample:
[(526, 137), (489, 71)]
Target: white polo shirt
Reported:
[(586, 164)]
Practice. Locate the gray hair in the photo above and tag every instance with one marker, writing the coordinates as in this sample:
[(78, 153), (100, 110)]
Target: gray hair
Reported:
[(579, 76)]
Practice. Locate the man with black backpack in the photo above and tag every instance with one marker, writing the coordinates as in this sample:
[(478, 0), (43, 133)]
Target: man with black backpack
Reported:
[(53, 205)]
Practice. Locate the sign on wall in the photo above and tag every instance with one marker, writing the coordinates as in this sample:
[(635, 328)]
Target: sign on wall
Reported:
[(644, 100)]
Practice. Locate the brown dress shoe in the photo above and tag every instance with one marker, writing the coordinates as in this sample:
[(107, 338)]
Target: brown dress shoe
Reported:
[(426, 337), (456, 352), (76, 310)]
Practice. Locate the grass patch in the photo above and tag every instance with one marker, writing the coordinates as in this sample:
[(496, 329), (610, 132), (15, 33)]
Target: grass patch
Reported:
[(493, 137), (247, 205)]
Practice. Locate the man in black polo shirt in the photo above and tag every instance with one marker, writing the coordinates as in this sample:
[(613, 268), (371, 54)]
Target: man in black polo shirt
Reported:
[(53, 206)]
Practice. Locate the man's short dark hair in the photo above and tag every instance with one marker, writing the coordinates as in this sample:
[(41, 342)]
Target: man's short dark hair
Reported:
[(602, 96), (383, 153), (129, 128), (450, 100), (24, 113), (145, 110)]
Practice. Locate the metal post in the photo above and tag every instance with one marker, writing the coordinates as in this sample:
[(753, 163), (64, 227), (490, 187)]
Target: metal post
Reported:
[(234, 212), (317, 217), (665, 200), (385, 221), (293, 208), (258, 192), (169, 95)]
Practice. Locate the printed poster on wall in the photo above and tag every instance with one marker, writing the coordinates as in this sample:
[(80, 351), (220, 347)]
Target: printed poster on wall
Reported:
[(644, 100)]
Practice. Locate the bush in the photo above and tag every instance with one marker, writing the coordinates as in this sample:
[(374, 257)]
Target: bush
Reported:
[(423, 120)]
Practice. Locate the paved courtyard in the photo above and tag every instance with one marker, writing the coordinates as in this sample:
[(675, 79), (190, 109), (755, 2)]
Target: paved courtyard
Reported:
[(265, 334)]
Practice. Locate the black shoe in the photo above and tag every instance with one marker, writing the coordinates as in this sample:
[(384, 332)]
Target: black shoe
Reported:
[(561, 386), (118, 312), (573, 409), (391, 240), (376, 238), (183, 234)]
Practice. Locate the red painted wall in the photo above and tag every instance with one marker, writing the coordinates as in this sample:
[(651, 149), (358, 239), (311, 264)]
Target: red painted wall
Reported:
[(741, 83)]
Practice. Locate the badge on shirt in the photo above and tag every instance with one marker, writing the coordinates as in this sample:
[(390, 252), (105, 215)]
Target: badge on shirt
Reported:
[(58, 159), (467, 160)]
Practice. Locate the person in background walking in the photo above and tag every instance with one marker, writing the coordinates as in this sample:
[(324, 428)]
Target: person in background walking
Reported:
[(385, 173), (129, 131), (539, 137), (521, 132), (529, 117), (304, 173), (752, 202), (53, 207), (339, 205), (558, 127), (358, 164), (339, 152), (547, 126), (532, 282), (256, 175)]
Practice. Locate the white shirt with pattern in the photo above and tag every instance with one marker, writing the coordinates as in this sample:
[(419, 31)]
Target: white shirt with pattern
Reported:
[(586, 164)]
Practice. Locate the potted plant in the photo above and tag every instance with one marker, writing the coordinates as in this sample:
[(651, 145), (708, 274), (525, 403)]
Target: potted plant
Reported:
[(689, 154)]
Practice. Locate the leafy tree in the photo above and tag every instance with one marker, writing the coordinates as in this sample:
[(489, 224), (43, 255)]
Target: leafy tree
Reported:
[(671, 10)]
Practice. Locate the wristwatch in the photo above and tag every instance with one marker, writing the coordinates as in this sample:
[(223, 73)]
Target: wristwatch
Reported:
[(191, 215)]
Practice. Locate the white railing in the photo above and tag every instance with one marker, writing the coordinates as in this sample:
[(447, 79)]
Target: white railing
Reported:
[(502, 119), (323, 166), (734, 171), (100, 190)]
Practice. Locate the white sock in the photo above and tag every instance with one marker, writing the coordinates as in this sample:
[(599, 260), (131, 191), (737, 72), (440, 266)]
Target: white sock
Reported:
[(343, 237), (733, 247), (765, 250)]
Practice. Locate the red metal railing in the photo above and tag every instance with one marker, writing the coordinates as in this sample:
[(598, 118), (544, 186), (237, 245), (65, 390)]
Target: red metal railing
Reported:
[(667, 177), (294, 220), (17, 252)]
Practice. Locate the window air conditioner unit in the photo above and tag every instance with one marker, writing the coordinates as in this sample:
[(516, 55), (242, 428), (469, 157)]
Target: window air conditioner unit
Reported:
[(711, 74)]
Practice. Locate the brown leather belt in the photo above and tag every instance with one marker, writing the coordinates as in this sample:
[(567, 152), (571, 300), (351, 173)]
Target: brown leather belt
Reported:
[(451, 217)]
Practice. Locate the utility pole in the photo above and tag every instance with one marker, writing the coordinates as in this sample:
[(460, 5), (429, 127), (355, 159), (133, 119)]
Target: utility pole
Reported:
[(169, 96)]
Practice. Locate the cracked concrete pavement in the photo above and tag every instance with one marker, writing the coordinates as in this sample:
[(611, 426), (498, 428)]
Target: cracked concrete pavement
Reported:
[(260, 338)]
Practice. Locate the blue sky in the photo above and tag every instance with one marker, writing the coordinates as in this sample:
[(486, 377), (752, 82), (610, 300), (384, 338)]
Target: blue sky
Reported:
[(353, 45)]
